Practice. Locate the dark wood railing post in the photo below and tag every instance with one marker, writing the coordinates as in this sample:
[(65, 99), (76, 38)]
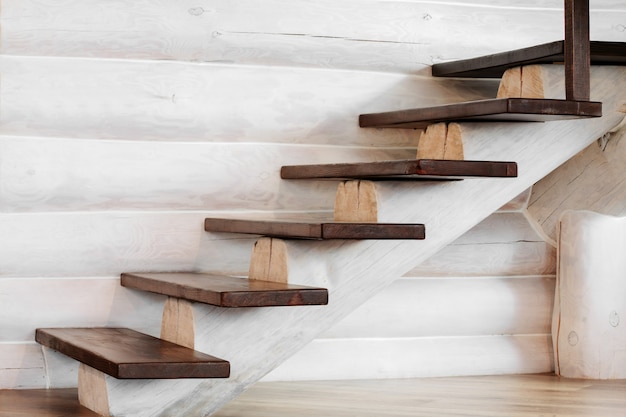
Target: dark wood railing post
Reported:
[(577, 50)]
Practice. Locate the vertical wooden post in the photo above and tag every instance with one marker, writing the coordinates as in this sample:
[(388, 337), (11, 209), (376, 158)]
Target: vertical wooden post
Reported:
[(577, 50)]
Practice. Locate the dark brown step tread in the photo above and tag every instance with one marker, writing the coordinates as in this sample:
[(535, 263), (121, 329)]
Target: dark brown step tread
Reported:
[(418, 169), (493, 66), (316, 230), (225, 291), (492, 110), (42, 403), (127, 354)]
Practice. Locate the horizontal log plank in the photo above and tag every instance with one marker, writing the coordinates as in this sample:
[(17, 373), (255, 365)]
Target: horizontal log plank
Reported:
[(224, 291), (316, 230), (209, 102), (493, 66), (419, 357), (77, 175), (402, 36), (22, 365), (493, 110), (127, 354), (424, 169)]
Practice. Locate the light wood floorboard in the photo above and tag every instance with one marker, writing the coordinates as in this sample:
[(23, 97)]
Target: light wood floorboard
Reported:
[(519, 395), (502, 396)]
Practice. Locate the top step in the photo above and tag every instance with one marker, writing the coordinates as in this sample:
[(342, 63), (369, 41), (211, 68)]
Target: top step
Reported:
[(493, 66), (491, 110), (127, 354)]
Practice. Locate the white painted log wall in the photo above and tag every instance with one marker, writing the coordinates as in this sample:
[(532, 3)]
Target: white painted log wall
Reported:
[(108, 154), (481, 305)]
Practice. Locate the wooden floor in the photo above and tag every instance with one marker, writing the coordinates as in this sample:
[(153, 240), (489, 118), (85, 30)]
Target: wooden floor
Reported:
[(501, 396), (524, 395)]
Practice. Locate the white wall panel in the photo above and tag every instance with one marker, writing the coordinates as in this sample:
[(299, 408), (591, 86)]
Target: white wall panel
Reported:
[(417, 358), (178, 101), (51, 174), (108, 243), (22, 366), (453, 307), (401, 36), (28, 304)]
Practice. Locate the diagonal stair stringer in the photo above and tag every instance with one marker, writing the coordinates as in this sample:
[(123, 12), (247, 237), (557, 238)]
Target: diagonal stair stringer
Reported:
[(257, 340)]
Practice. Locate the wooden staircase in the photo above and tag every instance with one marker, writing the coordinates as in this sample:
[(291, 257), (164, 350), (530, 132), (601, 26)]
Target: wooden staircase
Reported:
[(377, 233), (127, 354)]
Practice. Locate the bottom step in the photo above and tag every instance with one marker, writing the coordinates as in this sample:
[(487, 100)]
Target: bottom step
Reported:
[(127, 354)]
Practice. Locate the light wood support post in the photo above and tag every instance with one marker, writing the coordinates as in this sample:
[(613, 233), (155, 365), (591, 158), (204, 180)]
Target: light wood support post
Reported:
[(356, 201), (177, 325), (92, 390), (577, 50), (441, 141), (269, 260), (522, 82)]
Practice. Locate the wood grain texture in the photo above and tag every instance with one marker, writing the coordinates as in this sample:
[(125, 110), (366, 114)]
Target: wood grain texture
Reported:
[(577, 51), (525, 81), (373, 358), (452, 209), (126, 354), (96, 244), (195, 102), (92, 390), (511, 109), (439, 307), (225, 291), (86, 175), (477, 396), (43, 403), (441, 141), (80, 301), (495, 66), (417, 169), (594, 179), (587, 333), (177, 324), (401, 36), (504, 244), (356, 201), (315, 230), (268, 261), (22, 366)]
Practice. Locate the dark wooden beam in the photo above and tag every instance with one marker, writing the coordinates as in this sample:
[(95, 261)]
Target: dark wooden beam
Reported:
[(316, 230), (577, 50), (494, 110), (413, 169), (494, 65)]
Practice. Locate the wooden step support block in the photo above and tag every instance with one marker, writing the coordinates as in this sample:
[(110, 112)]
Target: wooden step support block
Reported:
[(127, 354), (225, 291), (494, 65), (491, 110), (522, 82), (413, 169), (441, 141), (316, 230)]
